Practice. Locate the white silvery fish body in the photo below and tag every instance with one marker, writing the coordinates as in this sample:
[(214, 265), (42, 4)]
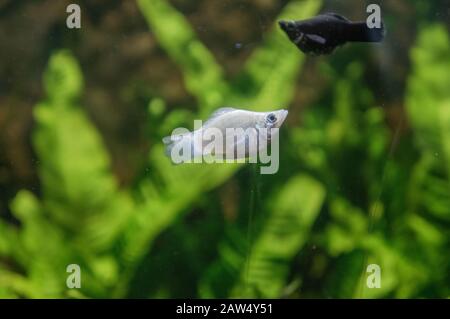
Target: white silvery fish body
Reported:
[(229, 133)]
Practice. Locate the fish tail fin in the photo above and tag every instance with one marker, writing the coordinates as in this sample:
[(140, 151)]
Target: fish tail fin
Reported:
[(377, 34), (183, 141), (360, 32), (168, 149), (170, 142)]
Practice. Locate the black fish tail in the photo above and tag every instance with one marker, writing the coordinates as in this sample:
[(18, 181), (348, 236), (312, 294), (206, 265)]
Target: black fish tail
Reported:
[(360, 32)]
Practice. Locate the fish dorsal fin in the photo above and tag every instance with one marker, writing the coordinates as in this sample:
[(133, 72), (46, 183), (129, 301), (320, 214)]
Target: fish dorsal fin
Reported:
[(338, 16), (316, 38), (217, 113), (221, 111)]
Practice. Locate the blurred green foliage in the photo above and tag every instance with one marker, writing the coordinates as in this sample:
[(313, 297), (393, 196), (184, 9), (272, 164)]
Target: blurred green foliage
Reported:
[(343, 198)]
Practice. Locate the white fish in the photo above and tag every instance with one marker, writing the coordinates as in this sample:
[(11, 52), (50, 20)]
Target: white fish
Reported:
[(253, 131)]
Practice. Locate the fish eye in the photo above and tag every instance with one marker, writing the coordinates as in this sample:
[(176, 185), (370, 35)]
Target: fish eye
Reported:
[(271, 118)]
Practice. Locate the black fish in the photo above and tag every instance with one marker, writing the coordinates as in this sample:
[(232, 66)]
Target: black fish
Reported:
[(323, 33)]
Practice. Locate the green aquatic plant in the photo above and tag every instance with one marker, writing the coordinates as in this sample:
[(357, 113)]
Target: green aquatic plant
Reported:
[(344, 196), (85, 216), (270, 70), (262, 270), (81, 208), (428, 107), (391, 207)]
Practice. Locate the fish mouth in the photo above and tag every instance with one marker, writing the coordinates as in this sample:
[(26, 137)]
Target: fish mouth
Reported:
[(291, 30), (283, 25), (282, 114), (287, 26)]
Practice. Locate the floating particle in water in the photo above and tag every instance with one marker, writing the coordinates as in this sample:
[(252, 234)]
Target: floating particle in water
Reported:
[(238, 45)]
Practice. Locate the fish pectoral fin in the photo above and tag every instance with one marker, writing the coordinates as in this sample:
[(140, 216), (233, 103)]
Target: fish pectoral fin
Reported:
[(316, 38)]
